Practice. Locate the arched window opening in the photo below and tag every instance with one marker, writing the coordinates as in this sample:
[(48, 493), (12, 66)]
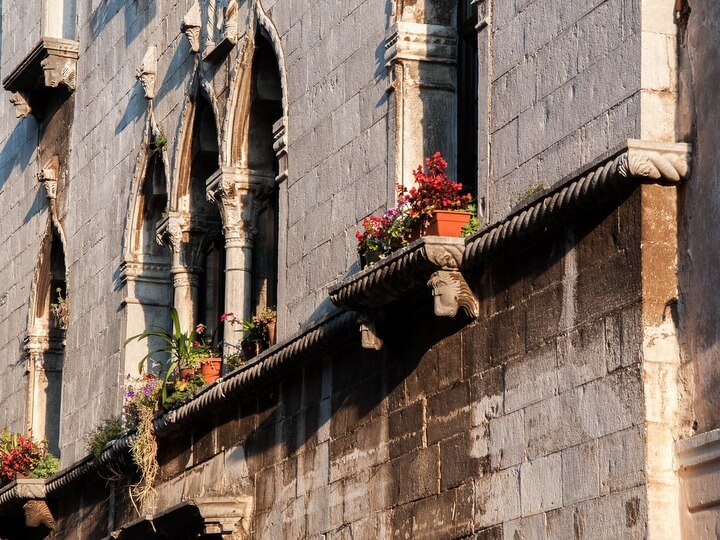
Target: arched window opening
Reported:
[(265, 111), (467, 88), (146, 271), (207, 242), (45, 343)]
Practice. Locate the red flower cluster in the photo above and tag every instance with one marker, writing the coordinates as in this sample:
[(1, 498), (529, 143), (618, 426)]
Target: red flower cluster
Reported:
[(414, 209), (18, 455), (434, 191)]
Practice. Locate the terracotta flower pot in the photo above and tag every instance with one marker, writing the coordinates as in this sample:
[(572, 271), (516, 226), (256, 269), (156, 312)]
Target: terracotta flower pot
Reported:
[(186, 373), (447, 223), (210, 369), (272, 332)]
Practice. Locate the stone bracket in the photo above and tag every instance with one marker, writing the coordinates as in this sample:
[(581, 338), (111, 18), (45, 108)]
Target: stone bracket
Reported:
[(369, 338), (451, 293), (147, 71), (191, 27), (51, 63), (31, 493), (656, 162), (215, 54), (432, 261), (227, 516)]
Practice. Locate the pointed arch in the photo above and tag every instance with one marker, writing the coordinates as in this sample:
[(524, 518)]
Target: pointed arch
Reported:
[(146, 269), (45, 340)]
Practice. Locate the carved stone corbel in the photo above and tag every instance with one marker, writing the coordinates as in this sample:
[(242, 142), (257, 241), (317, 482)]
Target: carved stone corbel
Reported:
[(48, 177), (59, 70), (369, 338), (38, 513), (21, 102), (169, 230), (147, 72), (215, 53), (191, 27), (451, 293), (657, 163), (228, 517)]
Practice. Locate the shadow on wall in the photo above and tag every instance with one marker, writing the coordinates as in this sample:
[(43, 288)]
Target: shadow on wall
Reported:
[(19, 148), (138, 14)]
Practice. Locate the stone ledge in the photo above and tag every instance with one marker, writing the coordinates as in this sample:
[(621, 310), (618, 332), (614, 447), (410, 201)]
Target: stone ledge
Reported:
[(699, 450), (699, 460), (51, 63)]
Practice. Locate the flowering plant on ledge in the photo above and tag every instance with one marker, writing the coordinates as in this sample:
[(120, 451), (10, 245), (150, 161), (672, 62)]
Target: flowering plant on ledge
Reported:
[(414, 212), (21, 455)]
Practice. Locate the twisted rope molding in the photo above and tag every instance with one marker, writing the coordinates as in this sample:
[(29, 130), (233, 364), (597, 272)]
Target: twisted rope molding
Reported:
[(640, 162), (322, 336)]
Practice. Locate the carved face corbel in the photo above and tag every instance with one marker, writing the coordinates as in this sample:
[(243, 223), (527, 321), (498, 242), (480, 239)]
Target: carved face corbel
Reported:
[(48, 177), (59, 70), (147, 71), (21, 103)]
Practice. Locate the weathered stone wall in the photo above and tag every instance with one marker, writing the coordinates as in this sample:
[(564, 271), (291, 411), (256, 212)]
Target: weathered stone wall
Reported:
[(565, 87), (529, 420)]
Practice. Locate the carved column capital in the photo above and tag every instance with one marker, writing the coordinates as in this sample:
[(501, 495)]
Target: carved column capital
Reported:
[(657, 163), (420, 42), (147, 72), (191, 27), (228, 517), (240, 194)]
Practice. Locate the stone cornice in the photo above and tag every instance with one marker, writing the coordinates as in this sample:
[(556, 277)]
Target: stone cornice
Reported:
[(637, 162)]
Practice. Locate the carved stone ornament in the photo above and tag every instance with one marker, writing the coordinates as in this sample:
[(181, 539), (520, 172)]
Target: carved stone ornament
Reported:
[(280, 148), (215, 53), (191, 27), (50, 64), (147, 72), (432, 260), (657, 163), (416, 41), (169, 229), (228, 517), (38, 513), (20, 101), (48, 177), (451, 293), (369, 338)]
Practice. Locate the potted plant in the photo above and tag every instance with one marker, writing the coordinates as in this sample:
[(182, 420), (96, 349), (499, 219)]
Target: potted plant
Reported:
[(22, 456), (259, 331), (182, 352), (434, 206), (436, 200)]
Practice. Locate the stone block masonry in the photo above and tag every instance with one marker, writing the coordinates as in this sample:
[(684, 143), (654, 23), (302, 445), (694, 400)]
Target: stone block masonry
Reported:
[(489, 429)]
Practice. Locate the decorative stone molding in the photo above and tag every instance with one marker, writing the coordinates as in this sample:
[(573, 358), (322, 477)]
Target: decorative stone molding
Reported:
[(51, 63), (229, 39), (657, 163), (637, 162), (228, 517), (420, 42), (147, 72), (191, 27), (280, 148), (433, 261)]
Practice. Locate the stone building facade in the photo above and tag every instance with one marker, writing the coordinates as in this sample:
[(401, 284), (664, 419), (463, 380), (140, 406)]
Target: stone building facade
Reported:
[(551, 376)]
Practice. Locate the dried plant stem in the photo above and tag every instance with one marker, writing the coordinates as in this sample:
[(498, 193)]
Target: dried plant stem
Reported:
[(144, 453)]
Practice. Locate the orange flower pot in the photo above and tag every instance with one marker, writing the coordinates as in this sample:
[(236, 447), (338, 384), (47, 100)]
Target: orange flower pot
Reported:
[(447, 223), (210, 369)]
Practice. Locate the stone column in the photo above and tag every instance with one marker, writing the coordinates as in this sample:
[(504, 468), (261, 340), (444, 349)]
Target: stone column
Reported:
[(188, 238), (421, 59), (44, 356), (240, 193)]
